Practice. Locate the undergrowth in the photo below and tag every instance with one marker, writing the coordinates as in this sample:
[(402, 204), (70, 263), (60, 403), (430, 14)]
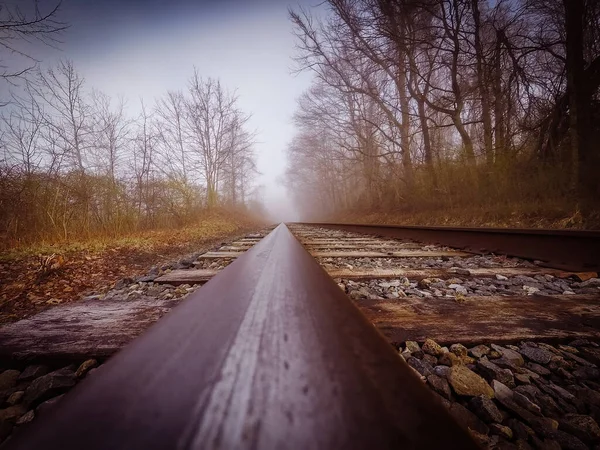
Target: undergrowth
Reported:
[(215, 223)]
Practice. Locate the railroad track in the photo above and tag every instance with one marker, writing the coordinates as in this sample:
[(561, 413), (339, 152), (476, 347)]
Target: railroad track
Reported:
[(271, 353)]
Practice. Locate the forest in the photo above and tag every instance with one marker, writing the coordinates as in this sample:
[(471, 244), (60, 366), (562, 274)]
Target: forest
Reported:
[(447, 109), (76, 163)]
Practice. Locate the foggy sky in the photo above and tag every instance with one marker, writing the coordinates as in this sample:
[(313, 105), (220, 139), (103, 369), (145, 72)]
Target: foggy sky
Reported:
[(142, 48)]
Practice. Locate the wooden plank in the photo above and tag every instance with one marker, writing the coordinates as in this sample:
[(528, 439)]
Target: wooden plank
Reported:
[(186, 276), (234, 248), (318, 238), (400, 254), (418, 274), (198, 276), (474, 320), (374, 245), (81, 330), (217, 255), (269, 354)]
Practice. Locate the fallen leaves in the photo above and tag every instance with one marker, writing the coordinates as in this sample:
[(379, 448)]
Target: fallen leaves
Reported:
[(79, 271)]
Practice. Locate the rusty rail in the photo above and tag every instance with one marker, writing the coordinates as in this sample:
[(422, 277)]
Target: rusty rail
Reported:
[(268, 354), (562, 249)]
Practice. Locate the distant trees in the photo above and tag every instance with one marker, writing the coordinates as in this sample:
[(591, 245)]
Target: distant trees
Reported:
[(452, 101), (73, 162)]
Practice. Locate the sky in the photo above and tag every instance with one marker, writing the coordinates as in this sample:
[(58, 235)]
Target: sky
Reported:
[(142, 48)]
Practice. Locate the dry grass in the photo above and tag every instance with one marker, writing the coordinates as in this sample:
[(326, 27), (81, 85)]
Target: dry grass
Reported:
[(521, 215), (95, 265), (213, 224), (516, 195)]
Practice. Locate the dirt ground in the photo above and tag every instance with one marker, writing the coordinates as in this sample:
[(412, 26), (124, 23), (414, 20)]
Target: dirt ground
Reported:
[(26, 290)]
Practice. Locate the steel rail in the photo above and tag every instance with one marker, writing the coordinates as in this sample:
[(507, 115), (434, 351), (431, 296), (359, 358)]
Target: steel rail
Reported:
[(562, 249), (268, 354)]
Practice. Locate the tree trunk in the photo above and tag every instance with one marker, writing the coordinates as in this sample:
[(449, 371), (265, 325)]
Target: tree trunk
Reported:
[(579, 98), (482, 86)]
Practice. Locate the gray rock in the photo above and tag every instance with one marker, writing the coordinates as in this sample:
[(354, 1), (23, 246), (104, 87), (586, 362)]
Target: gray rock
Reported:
[(459, 289), (123, 283), (186, 262), (540, 370), (586, 373), (591, 353), (423, 367), (592, 282), (501, 430), (432, 348), (459, 271), (511, 356), (576, 358), (566, 406), (588, 396), (466, 382), (548, 405), (15, 397), (441, 371), (440, 385), (405, 355), (521, 444), (483, 440), (33, 372), (459, 350), (454, 281), (567, 441), (530, 290), (449, 359), (49, 386), (8, 379), (430, 359), (26, 418), (12, 413), (546, 444), (412, 346), (524, 402), (522, 378), (507, 398), (501, 277), (558, 391), (537, 355), (485, 408), (147, 278), (582, 343), (582, 426), (519, 429), (466, 418), (491, 371), (479, 351)]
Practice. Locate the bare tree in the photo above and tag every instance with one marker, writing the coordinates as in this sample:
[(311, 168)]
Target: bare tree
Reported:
[(213, 121), (67, 111), (19, 29)]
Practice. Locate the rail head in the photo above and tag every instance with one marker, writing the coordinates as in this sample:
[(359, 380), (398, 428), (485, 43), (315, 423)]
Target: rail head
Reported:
[(268, 354)]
